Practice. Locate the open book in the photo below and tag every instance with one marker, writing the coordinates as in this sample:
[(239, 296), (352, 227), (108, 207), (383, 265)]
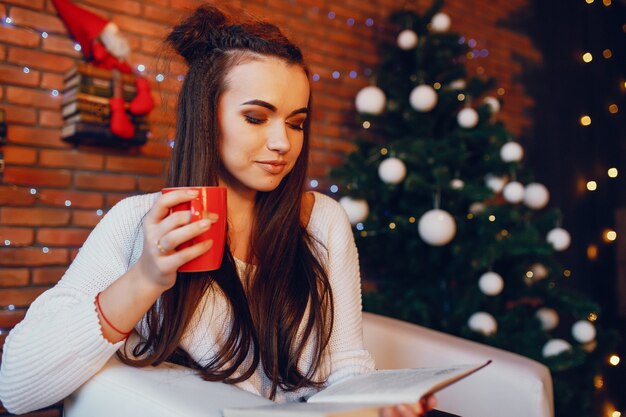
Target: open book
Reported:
[(364, 395)]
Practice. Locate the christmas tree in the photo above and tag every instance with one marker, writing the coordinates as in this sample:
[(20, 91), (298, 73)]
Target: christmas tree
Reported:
[(452, 230)]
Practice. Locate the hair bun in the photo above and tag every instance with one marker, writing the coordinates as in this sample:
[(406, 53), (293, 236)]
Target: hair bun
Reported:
[(198, 33)]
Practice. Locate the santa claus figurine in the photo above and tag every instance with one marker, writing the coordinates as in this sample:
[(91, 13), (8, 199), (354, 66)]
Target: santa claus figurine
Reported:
[(103, 46)]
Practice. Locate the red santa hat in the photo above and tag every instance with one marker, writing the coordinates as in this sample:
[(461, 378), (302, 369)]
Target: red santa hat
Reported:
[(84, 25)]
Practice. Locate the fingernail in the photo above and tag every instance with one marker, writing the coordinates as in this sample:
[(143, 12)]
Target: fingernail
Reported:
[(209, 243), (192, 192), (203, 224), (213, 217)]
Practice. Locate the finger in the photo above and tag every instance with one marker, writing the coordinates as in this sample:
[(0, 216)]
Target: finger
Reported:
[(388, 412), (182, 234), (183, 256), (407, 411), (431, 402), (166, 201)]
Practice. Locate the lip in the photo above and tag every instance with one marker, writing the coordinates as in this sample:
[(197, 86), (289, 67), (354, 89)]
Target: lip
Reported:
[(273, 167)]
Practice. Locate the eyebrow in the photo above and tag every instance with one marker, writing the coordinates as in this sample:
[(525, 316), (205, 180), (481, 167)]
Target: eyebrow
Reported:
[(272, 108)]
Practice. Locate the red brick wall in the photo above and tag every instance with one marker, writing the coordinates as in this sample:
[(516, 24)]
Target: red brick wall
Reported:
[(94, 178)]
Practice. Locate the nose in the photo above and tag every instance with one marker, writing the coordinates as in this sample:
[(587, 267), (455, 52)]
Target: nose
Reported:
[(278, 140)]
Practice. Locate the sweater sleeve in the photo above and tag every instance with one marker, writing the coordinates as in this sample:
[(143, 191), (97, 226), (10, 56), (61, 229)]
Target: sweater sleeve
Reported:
[(347, 355), (59, 345)]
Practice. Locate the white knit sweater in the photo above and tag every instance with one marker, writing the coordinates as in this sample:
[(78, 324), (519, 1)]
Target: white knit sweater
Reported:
[(59, 344)]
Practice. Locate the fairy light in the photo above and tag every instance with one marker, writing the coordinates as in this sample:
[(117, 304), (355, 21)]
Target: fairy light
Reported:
[(612, 172), (336, 74), (316, 77), (55, 93), (10, 307), (26, 70), (384, 151), (180, 77), (350, 21), (7, 242), (8, 20), (160, 78), (587, 57), (411, 219), (33, 191), (592, 252), (529, 274), (615, 413), (363, 233), (314, 183), (366, 125), (592, 317), (369, 22), (607, 53), (332, 15), (614, 360), (585, 120), (613, 108), (460, 97), (607, 3), (598, 381), (68, 203), (359, 226), (501, 91), (334, 188), (592, 185), (492, 218), (77, 47), (470, 216), (610, 235), (45, 249), (567, 273), (141, 67), (353, 74), (392, 225), (437, 86), (99, 212), (44, 35)]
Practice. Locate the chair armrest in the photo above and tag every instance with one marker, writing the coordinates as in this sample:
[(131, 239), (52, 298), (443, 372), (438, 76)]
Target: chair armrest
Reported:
[(513, 385), (163, 391)]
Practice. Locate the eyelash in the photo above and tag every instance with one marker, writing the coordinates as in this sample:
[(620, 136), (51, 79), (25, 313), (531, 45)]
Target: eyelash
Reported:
[(255, 121)]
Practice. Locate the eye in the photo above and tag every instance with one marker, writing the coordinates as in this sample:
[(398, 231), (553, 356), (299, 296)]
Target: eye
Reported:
[(254, 120), (296, 126)]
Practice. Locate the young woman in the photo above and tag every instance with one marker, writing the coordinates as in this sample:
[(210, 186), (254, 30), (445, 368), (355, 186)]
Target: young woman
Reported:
[(282, 316)]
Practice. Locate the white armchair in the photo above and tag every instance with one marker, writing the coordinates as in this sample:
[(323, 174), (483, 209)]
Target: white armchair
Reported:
[(512, 386)]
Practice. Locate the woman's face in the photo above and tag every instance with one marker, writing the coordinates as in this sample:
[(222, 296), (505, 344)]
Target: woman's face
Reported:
[(261, 114)]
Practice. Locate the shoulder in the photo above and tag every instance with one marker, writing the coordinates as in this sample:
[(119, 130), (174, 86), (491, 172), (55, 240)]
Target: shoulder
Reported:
[(327, 213)]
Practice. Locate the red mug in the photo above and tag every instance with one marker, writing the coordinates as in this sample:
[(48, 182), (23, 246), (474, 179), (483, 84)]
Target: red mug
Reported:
[(209, 200)]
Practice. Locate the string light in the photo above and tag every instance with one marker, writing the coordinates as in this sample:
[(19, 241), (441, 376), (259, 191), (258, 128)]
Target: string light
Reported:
[(384, 151), (592, 252), (567, 273), (68, 203), (492, 218), (8, 20), (316, 77), (501, 91), (11, 307), (45, 249), (33, 191), (7, 242), (26, 70), (592, 185), (334, 188), (607, 53), (314, 183), (366, 125), (55, 93), (180, 77), (141, 67), (99, 212), (585, 120), (592, 317), (332, 15), (598, 381), (460, 97), (160, 77), (610, 235), (77, 47), (359, 226), (616, 413), (437, 86), (336, 74), (411, 219), (369, 22), (392, 225), (587, 57), (350, 22), (614, 360), (613, 108), (353, 74), (607, 3), (363, 233), (612, 172)]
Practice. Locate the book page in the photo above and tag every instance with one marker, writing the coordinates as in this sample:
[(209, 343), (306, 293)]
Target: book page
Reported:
[(307, 410), (394, 386)]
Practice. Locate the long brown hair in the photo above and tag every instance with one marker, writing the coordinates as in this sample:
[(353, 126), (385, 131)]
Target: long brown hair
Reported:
[(289, 287)]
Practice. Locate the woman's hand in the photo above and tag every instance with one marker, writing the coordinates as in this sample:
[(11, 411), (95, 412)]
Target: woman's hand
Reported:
[(164, 232), (412, 410)]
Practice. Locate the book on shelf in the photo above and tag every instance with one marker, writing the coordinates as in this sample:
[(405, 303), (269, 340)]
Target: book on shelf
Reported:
[(99, 91), (89, 70), (99, 134), (365, 395), (139, 121)]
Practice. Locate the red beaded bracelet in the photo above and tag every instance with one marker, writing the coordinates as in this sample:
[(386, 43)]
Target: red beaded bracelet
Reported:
[(107, 320)]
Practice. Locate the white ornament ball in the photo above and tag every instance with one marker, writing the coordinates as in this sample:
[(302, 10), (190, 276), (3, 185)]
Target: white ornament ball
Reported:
[(539, 271), (357, 210), (457, 184), (555, 347), (536, 196), (559, 238), (440, 22), (493, 103), (495, 183), (476, 208), (459, 84), (511, 152), (392, 171), (436, 227), (513, 192), (482, 322), (423, 98), (371, 100), (583, 331), (407, 39), (548, 317), (467, 118), (491, 283)]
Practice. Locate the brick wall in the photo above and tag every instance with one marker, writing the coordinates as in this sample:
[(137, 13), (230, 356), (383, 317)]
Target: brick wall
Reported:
[(45, 232)]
